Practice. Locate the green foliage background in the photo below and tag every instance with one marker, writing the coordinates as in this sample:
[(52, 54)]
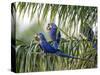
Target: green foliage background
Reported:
[(28, 54)]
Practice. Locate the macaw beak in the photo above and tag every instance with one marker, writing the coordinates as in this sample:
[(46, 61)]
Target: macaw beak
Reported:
[(49, 27), (37, 37)]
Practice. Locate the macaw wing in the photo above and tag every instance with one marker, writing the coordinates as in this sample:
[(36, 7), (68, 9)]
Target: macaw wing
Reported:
[(58, 37), (47, 47), (53, 34)]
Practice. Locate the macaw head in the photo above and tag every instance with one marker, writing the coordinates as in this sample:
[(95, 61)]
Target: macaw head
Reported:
[(51, 26), (39, 36)]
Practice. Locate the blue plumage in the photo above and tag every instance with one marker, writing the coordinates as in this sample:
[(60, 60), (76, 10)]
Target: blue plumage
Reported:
[(90, 34), (54, 35), (49, 49), (91, 37)]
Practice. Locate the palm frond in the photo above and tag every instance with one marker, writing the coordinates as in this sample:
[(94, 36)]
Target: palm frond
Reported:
[(73, 22)]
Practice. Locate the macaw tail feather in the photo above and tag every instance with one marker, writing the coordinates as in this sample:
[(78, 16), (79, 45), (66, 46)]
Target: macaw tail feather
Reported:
[(59, 53), (65, 55)]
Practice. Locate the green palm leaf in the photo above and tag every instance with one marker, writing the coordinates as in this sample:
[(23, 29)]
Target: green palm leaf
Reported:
[(71, 19)]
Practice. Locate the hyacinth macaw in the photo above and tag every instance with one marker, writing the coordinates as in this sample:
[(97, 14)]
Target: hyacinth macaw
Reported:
[(95, 45), (90, 34), (54, 35), (47, 48)]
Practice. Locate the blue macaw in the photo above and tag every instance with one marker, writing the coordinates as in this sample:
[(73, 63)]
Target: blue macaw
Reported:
[(47, 48), (95, 45), (90, 34), (54, 35)]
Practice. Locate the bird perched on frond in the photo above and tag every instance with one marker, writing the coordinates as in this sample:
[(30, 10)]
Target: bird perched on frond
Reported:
[(90, 34), (54, 34), (47, 48)]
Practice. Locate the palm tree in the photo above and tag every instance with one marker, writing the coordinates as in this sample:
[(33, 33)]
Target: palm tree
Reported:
[(70, 17), (74, 22)]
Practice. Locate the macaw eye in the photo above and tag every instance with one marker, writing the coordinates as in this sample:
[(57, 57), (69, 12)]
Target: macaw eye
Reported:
[(37, 37)]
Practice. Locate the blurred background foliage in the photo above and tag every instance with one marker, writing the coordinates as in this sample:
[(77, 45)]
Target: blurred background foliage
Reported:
[(77, 25)]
